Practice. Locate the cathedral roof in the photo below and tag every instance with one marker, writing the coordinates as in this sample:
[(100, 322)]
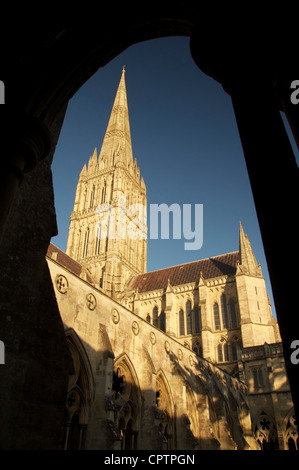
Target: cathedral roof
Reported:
[(62, 258), (185, 273)]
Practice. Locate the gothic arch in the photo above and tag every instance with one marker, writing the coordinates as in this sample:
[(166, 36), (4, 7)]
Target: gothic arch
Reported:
[(166, 410), (291, 439), (80, 394), (265, 431), (127, 400), (55, 61), (191, 411)]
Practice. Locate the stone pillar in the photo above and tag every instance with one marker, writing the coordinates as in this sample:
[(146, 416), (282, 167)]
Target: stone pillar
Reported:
[(244, 65), (25, 141), (34, 378)]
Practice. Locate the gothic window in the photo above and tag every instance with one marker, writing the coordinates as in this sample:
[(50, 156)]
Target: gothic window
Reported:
[(224, 311), (182, 322), (104, 193), (79, 242), (292, 438), (220, 353), (233, 315), (197, 313), (79, 388), (216, 316), (234, 352), (126, 398), (223, 351), (164, 413), (98, 240), (226, 353), (148, 318), (162, 320), (258, 379), (265, 433), (188, 317), (92, 197), (85, 246), (155, 316)]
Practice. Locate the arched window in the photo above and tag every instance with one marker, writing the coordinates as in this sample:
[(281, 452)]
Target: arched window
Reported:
[(85, 246), (98, 240), (224, 311), (182, 323), (266, 433), (162, 321), (216, 316), (148, 318), (92, 197), (234, 352), (233, 315), (220, 353), (223, 352), (155, 316), (188, 317), (197, 322), (226, 352)]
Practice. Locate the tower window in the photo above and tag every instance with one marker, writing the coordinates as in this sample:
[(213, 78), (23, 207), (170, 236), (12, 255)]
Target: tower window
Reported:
[(182, 323), (216, 316), (220, 353), (162, 320), (188, 317), (233, 315), (258, 378), (224, 311), (85, 246), (92, 197), (234, 352), (197, 313), (155, 316), (223, 353)]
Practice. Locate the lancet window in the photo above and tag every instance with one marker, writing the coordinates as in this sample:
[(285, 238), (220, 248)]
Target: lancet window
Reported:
[(189, 320), (125, 396), (164, 414)]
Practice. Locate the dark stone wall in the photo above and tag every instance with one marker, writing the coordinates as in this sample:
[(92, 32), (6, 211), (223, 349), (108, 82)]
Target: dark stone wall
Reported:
[(33, 380)]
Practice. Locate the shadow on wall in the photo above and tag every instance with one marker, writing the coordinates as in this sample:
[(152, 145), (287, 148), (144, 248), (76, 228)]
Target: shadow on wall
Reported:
[(134, 418)]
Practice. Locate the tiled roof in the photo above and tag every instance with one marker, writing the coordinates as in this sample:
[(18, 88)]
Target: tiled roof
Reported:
[(184, 273), (66, 261)]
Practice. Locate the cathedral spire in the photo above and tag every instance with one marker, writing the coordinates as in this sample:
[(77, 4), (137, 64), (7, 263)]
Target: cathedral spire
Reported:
[(99, 239), (117, 145), (247, 261)]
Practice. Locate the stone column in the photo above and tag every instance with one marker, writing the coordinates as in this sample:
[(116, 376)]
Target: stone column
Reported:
[(25, 141), (34, 378), (243, 63)]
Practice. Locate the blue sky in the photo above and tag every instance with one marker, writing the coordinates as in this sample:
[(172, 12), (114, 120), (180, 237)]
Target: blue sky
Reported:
[(185, 140)]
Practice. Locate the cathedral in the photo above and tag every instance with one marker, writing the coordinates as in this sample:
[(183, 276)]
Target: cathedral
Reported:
[(187, 357)]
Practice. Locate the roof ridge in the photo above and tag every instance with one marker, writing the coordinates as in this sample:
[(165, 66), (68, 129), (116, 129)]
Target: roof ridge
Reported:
[(189, 262)]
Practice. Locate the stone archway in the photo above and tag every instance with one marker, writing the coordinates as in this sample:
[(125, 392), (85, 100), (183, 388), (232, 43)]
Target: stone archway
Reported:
[(51, 58), (165, 417), (127, 402), (79, 395)]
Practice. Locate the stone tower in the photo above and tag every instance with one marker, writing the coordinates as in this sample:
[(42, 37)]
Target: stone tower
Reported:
[(108, 231), (257, 322)]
